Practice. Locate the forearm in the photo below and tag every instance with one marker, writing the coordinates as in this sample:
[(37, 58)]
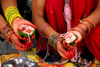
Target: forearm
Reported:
[(5, 29), (38, 18), (95, 15), (10, 10), (3, 22), (7, 3), (47, 31)]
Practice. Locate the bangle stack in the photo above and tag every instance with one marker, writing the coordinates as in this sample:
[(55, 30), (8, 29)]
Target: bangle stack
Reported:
[(85, 19), (88, 23), (6, 32), (11, 13), (53, 39)]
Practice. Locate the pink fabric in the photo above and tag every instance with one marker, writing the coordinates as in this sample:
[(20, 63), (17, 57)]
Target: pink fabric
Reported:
[(67, 15)]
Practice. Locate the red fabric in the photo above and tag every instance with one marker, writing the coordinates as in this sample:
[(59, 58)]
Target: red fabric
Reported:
[(93, 42), (80, 9), (55, 19)]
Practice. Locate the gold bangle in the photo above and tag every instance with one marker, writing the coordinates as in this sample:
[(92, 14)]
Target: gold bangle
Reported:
[(88, 25), (85, 19)]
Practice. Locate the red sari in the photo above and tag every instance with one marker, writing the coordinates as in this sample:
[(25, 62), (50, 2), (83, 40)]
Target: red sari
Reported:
[(80, 9)]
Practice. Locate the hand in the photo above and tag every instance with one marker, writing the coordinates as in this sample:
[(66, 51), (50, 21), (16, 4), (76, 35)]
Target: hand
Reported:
[(79, 36), (61, 50), (17, 22), (65, 53), (16, 43), (27, 41), (66, 45), (28, 44), (70, 39)]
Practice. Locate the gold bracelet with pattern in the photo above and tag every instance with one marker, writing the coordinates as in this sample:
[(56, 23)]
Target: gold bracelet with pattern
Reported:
[(53, 39), (6, 32), (88, 25)]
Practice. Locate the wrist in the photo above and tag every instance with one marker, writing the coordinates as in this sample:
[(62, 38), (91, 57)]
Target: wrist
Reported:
[(43, 29), (7, 32), (83, 26), (10, 37), (58, 42), (16, 20), (53, 40), (79, 29), (88, 24), (11, 13)]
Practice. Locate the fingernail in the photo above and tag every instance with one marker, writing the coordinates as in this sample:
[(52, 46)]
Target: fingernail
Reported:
[(64, 42), (23, 46), (20, 37), (23, 38), (33, 37), (75, 41), (27, 38)]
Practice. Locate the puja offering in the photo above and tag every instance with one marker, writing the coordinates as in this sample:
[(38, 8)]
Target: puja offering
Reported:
[(69, 38), (26, 30)]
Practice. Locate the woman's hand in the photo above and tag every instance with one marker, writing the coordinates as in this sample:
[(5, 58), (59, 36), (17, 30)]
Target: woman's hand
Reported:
[(17, 22), (79, 36), (27, 41), (67, 38), (65, 53), (17, 43)]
